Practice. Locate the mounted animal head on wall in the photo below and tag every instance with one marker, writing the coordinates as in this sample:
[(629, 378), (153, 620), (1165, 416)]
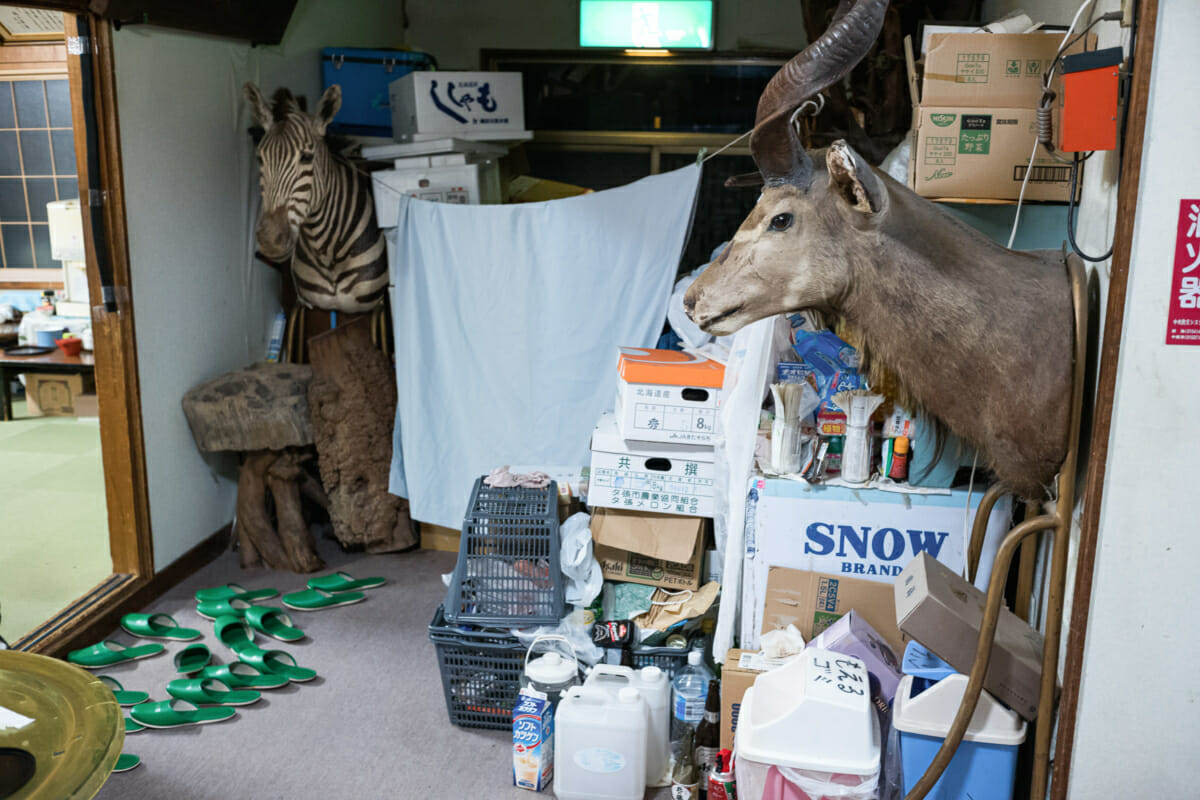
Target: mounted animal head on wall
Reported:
[(977, 336), (291, 150)]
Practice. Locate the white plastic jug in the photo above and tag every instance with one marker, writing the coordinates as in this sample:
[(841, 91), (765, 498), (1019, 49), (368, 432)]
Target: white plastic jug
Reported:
[(655, 688), (600, 745)]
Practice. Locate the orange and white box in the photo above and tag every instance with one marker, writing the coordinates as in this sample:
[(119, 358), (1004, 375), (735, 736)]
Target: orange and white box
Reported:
[(668, 396)]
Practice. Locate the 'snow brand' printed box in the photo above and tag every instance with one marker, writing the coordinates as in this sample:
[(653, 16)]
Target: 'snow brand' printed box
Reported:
[(533, 741), (668, 396)]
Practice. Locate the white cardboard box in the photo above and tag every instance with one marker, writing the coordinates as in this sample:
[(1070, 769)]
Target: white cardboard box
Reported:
[(469, 104), (868, 534), (669, 409), (649, 476), (459, 179)]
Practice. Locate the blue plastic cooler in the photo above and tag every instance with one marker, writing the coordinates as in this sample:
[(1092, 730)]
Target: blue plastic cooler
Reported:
[(364, 76)]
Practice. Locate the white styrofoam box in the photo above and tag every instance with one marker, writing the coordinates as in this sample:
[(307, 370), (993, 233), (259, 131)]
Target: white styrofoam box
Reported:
[(857, 533), (66, 231), (433, 178), (649, 476), (679, 407), (457, 103)]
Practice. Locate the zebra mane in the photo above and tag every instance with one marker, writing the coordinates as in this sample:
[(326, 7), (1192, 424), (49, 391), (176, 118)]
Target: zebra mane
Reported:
[(283, 104)]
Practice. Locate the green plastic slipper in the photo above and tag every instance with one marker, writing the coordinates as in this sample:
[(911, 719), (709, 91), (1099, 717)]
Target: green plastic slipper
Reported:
[(157, 626), (108, 652), (177, 713), (133, 727), (273, 622), (126, 762), (210, 692), (317, 599), (243, 676), (124, 698), (343, 582), (277, 662), (234, 590), (192, 658), (233, 632), (230, 607)]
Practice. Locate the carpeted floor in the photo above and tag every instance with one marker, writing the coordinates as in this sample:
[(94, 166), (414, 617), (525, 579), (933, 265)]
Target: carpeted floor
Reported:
[(373, 724)]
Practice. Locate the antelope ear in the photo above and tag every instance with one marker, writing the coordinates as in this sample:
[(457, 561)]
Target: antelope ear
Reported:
[(853, 179), (258, 105), (328, 106)]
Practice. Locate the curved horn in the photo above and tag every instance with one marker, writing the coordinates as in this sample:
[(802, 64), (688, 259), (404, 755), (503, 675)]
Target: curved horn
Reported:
[(774, 144)]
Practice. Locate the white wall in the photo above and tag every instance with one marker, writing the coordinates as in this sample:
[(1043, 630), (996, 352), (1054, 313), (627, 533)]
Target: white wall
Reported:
[(454, 31), (202, 304), (1137, 725)]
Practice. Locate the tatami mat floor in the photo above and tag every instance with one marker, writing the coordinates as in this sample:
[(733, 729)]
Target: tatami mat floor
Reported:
[(53, 519)]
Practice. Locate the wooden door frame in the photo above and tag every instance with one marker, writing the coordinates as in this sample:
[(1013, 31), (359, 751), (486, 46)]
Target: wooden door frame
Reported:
[(117, 386), (1089, 525)]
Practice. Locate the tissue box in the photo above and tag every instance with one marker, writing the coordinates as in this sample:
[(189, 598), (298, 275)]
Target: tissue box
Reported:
[(852, 636)]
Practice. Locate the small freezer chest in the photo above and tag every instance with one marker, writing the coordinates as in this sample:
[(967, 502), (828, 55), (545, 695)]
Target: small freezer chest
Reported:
[(364, 76)]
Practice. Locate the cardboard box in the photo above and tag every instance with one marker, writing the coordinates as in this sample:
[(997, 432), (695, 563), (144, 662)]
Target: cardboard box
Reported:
[(813, 602), (944, 613), (668, 396), (652, 549), (853, 636), (470, 105), (49, 395), (649, 476), (740, 669), (981, 152), (868, 534), (976, 121), (996, 70)]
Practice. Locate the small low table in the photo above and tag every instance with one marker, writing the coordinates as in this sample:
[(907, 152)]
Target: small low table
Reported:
[(57, 362)]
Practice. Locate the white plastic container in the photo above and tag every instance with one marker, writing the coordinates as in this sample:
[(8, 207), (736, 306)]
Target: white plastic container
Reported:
[(551, 673), (807, 730), (600, 745), (984, 766), (655, 687)]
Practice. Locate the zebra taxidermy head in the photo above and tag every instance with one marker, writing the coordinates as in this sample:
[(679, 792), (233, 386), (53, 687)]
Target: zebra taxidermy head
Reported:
[(317, 209)]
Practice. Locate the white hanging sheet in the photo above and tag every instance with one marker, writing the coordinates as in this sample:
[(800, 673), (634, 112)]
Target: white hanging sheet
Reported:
[(507, 324)]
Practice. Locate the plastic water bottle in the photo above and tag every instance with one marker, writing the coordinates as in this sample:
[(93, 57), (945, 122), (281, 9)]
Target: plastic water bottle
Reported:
[(689, 691)]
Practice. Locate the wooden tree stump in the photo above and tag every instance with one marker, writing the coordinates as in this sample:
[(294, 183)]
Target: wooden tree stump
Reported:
[(262, 411), (353, 401)]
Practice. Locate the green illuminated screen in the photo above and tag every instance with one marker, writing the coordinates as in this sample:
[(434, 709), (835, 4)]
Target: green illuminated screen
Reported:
[(632, 23)]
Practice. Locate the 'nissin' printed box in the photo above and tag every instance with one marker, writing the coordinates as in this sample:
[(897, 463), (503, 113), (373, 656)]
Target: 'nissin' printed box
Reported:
[(533, 741)]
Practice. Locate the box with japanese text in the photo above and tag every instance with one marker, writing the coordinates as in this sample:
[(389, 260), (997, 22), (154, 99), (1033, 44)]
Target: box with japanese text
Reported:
[(650, 549), (533, 741), (649, 476), (997, 70), (468, 105), (667, 396)]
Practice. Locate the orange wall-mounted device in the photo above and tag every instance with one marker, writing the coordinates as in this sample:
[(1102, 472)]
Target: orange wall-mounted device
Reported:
[(1089, 109)]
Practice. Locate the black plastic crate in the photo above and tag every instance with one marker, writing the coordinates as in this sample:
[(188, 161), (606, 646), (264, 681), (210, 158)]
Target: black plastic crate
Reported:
[(481, 673), (669, 659), (508, 571)]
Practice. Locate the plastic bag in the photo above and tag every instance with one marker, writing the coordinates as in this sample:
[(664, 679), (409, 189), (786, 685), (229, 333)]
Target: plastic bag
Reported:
[(758, 780), (579, 566), (782, 643), (575, 628)]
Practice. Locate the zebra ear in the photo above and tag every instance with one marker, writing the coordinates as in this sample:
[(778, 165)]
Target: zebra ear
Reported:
[(328, 107), (258, 105)]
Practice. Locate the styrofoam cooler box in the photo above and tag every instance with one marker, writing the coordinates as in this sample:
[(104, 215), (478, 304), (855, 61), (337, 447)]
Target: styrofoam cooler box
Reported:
[(984, 767), (649, 476), (364, 76), (457, 178), (486, 105), (808, 730), (668, 396)]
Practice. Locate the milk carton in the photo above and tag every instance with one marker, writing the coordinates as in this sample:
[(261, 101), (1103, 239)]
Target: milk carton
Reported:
[(533, 741)]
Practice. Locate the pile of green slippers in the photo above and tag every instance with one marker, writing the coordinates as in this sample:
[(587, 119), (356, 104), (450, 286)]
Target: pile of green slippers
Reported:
[(208, 692)]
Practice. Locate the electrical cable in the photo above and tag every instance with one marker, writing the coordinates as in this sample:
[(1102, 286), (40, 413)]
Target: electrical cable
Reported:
[(1071, 216)]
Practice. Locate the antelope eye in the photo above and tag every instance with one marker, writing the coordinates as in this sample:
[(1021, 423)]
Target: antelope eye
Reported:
[(781, 222), (306, 158)]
